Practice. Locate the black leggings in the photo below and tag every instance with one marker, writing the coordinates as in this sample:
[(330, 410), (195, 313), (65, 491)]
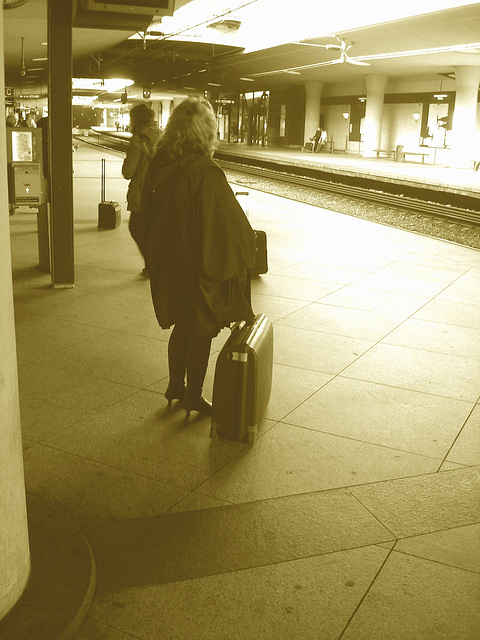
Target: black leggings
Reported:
[(135, 226), (188, 353)]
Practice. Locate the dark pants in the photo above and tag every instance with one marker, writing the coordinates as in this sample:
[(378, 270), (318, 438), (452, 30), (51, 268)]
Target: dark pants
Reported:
[(135, 227), (188, 353)]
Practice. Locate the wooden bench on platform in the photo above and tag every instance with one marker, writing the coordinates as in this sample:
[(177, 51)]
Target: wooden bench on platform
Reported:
[(413, 153), (385, 152)]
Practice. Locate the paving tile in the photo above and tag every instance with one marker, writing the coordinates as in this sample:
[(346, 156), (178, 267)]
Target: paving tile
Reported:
[(284, 287), (117, 283), (89, 491), (41, 301), (435, 271), (399, 605), (143, 435), (196, 544), (453, 312), (444, 260), (471, 278), (101, 310), (438, 337), (399, 282), (356, 297), (415, 506), (458, 547), (466, 448), (195, 501), (148, 327), (119, 357), (418, 370), (288, 460), (320, 273), (314, 350), (449, 466), (41, 336), (51, 400), (94, 630), (304, 599), (274, 307), (290, 388), (461, 293), (388, 416), (340, 321)]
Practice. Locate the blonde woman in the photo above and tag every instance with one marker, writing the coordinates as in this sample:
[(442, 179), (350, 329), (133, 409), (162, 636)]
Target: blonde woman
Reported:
[(199, 248)]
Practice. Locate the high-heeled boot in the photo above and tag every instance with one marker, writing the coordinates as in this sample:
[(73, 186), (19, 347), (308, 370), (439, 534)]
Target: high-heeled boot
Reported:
[(175, 392), (197, 403)]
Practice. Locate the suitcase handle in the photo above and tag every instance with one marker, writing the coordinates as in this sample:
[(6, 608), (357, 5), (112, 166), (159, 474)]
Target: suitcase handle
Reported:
[(238, 326)]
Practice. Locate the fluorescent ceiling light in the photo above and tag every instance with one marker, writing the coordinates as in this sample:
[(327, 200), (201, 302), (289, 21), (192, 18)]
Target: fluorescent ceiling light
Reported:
[(109, 85), (83, 100)]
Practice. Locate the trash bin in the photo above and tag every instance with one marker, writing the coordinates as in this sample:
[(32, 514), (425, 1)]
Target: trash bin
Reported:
[(399, 153)]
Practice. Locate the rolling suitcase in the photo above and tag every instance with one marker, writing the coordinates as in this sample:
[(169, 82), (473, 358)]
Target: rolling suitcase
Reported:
[(109, 212), (243, 381), (261, 258)]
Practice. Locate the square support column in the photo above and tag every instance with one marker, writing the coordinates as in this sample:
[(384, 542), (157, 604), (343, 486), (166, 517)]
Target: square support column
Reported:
[(60, 141)]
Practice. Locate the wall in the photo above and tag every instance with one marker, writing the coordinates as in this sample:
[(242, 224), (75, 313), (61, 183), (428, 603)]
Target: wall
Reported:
[(336, 126), (294, 99)]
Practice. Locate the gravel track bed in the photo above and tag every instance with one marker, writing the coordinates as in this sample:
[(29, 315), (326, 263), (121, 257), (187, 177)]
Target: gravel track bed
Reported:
[(457, 232)]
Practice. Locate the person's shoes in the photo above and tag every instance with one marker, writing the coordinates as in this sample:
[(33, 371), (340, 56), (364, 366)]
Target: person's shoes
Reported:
[(198, 403), (175, 393)]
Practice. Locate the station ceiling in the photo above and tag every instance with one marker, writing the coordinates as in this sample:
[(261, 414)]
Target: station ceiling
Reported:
[(421, 47)]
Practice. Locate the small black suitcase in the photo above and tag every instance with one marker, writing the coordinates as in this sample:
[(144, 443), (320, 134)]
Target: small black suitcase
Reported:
[(109, 215), (109, 211), (261, 259), (243, 381)]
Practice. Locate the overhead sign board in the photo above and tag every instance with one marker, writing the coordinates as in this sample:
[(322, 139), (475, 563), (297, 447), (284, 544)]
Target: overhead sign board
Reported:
[(144, 7)]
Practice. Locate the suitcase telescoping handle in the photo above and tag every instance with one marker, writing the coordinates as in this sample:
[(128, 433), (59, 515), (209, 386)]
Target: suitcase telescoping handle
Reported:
[(102, 182)]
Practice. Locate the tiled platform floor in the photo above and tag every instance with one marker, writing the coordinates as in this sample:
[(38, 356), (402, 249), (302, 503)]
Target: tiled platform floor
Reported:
[(356, 513)]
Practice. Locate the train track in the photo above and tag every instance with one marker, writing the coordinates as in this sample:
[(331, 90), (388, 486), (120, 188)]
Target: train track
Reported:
[(443, 211), (468, 214)]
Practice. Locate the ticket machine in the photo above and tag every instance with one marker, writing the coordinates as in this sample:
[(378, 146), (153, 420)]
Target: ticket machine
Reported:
[(27, 184)]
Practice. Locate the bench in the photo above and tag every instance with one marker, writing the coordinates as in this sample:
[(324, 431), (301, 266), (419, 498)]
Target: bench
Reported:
[(413, 153), (386, 152)]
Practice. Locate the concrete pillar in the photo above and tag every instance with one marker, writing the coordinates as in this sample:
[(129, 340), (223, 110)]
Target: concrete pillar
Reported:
[(464, 137), (373, 115), (313, 92), (14, 547)]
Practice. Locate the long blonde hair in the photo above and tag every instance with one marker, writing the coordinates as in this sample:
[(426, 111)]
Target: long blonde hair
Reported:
[(192, 126)]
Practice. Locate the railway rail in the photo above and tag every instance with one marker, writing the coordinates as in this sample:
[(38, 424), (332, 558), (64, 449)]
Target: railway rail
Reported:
[(445, 208)]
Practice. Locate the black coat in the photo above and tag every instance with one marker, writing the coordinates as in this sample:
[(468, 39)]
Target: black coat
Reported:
[(199, 244)]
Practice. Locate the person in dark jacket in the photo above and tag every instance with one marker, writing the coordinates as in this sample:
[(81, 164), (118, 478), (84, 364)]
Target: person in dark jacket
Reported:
[(143, 146), (200, 246)]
